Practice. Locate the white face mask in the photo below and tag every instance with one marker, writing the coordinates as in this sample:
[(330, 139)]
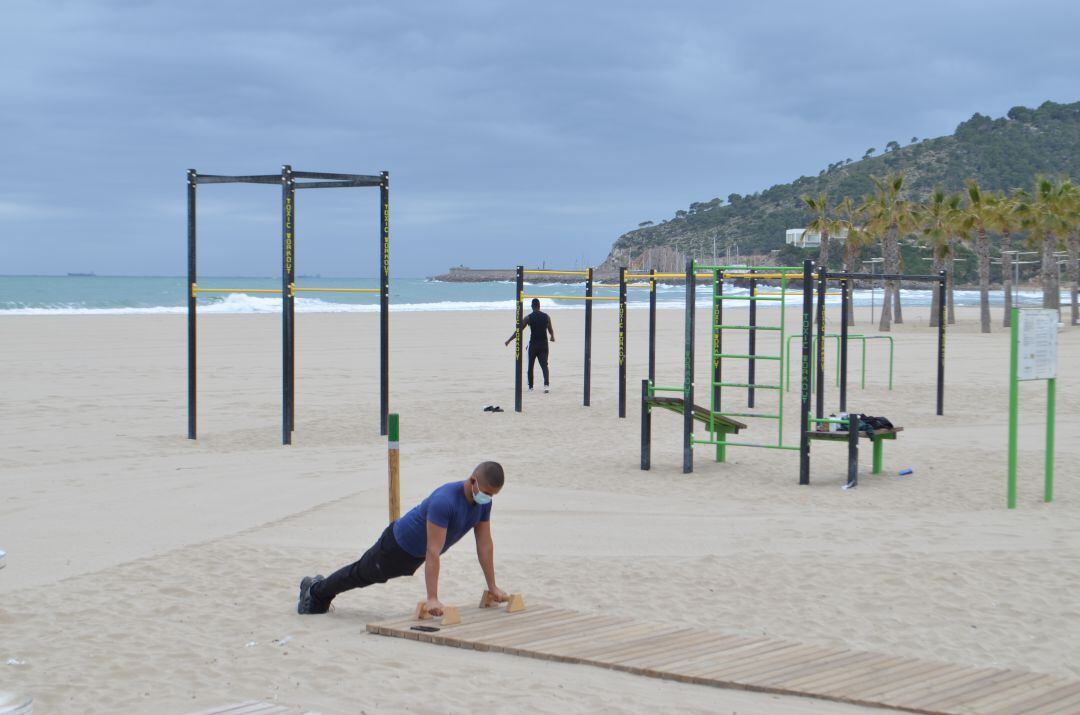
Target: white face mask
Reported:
[(480, 498)]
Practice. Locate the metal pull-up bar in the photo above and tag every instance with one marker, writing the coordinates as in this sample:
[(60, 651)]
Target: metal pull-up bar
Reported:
[(196, 290), (588, 298), (288, 181), (293, 290), (539, 272), (298, 289), (570, 297)]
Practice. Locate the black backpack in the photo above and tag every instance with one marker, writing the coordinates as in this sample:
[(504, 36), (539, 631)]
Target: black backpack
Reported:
[(870, 425)]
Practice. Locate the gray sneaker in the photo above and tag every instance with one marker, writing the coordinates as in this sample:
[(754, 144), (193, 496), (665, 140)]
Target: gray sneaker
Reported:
[(308, 603)]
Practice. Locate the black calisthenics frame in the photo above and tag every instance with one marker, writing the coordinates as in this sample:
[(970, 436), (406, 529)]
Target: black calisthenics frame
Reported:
[(289, 184), (588, 298)]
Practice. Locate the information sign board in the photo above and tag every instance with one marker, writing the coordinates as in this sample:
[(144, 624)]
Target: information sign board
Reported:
[(1037, 358)]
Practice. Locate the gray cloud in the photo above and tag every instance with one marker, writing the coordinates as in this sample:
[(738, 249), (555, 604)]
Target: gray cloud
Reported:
[(513, 132)]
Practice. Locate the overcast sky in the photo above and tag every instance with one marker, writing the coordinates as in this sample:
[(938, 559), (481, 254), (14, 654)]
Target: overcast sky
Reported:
[(513, 132)]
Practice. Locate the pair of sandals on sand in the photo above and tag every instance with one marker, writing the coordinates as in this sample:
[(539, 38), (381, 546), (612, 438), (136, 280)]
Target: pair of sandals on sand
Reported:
[(493, 408)]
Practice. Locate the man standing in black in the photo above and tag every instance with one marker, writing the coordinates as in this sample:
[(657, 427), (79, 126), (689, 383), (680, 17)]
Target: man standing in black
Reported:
[(539, 324)]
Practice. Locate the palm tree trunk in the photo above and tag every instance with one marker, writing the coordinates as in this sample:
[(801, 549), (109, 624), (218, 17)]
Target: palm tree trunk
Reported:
[(982, 250), (898, 314), (935, 294), (849, 266), (1051, 289), (1074, 275), (950, 281), (891, 301), (885, 322), (823, 253), (1007, 275)]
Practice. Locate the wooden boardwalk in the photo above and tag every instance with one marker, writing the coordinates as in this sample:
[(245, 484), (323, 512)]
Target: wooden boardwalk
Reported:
[(771, 665)]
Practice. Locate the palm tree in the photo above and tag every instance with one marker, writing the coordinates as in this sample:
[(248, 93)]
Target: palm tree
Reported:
[(938, 220), (889, 215), (1002, 219), (850, 219), (822, 223), (977, 213), (1073, 246), (1045, 217)]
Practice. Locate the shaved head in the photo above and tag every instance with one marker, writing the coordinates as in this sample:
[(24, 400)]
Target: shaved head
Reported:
[(489, 474)]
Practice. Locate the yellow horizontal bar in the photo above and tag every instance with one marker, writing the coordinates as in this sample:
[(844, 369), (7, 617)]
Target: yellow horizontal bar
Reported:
[(195, 290), (335, 290), (628, 285), (747, 276), (569, 297), (638, 276), (790, 292), (556, 273)]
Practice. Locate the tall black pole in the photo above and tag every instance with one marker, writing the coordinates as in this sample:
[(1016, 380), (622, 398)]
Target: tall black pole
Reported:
[(519, 288), (853, 453), (384, 302), (622, 341), (646, 427), (652, 325), (804, 406), (843, 343), (287, 241), (586, 398), (192, 181), (941, 344), (688, 375), (717, 337), (820, 357), (752, 342)]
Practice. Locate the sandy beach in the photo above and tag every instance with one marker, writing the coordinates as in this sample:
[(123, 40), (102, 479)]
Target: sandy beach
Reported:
[(147, 573)]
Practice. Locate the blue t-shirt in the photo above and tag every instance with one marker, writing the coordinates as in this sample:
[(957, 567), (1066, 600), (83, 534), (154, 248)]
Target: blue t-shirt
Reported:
[(446, 507)]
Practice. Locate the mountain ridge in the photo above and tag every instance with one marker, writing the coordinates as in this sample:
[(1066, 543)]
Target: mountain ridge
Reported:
[(1001, 154)]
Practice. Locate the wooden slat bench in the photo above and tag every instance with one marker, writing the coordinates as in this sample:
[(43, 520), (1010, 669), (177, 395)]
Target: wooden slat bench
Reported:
[(723, 424)]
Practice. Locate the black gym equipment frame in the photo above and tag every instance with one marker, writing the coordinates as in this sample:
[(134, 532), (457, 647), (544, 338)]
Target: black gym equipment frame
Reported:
[(289, 184), (847, 284)]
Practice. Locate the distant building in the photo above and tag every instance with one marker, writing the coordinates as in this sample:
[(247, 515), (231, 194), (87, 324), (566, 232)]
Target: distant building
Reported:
[(801, 238)]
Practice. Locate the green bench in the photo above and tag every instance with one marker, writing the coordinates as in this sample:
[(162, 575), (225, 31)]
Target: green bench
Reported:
[(878, 439), (723, 425), (726, 425)]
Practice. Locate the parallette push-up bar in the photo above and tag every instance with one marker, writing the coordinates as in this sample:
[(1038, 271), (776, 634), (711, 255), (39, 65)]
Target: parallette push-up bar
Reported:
[(588, 298), (287, 179)]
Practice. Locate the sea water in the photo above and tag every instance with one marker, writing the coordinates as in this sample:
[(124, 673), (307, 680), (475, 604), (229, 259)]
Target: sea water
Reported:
[(104, 295)]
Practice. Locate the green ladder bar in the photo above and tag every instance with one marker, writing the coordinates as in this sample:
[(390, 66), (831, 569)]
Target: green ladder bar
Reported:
[(718, 355)]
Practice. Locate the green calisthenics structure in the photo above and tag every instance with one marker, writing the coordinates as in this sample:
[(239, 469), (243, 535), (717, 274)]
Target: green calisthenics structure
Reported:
[(720, 424), (1032, 356), (811, 417), (812, 421), (290, 181), (836, 338), (520, 296)]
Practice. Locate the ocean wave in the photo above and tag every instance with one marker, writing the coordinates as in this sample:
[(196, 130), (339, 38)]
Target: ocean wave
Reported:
[(668, 298)]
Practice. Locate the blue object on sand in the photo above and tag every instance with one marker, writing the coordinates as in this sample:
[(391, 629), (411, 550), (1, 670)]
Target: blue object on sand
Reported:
[(906, 471)]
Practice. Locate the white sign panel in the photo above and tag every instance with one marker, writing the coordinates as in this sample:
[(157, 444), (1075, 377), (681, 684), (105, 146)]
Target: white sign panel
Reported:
[(1038, 331)]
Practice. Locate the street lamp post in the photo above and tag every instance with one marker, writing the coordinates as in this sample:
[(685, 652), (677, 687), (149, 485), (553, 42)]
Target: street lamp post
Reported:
[(873, 262), (1016, 270)]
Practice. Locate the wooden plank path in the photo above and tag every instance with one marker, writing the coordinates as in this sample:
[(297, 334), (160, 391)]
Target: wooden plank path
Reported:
[(769, 665)]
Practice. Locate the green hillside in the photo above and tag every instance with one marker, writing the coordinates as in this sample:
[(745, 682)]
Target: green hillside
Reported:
[(1000, 153)]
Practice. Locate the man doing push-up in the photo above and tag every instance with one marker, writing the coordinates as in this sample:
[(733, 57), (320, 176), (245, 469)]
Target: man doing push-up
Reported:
[(420, 537)]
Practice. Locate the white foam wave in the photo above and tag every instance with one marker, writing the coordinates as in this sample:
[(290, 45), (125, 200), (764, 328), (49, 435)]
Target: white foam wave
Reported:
[(669, 297)]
